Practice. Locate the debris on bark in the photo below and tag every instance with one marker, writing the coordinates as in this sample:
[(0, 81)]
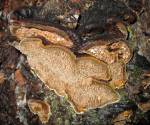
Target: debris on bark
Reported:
[(19, 78), (123, 118)]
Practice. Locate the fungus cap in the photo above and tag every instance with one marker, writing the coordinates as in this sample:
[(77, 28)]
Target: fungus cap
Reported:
[(63, 72), (41, 108), (49, 33), (107, 51)]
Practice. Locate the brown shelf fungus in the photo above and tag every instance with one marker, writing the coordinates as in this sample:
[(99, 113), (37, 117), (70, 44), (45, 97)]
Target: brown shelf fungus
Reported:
[(107, 51), (41, 108), (63, 72), (115, 54), (49, 33), (118, 73), (122, 50), (90, 66), (91, 94), (100, 50)]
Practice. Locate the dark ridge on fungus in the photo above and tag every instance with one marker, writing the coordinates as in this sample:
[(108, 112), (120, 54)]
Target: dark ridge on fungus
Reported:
[(72, 34)]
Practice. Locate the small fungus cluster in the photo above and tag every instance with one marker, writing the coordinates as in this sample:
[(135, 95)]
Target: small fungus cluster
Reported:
[(88, 81), (40, 108)]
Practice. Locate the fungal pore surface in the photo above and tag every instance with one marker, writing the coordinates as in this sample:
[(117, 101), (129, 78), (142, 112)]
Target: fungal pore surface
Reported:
[(81, 79)]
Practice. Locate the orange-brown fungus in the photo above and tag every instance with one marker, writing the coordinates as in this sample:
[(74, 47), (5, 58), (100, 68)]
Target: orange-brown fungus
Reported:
[(118, 73), (41, 108), (91, 94), (144, 106), (122, 50), (100, 50), (51, 34), (63, 72), (108, 52), (115, 54), (123, 117), (90, 66)]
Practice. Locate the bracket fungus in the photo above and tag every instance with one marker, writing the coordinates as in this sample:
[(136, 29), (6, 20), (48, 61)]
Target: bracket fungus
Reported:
[(118, 72), (115, 54), (108, 51), (68, 75), (50, 33), (41, 108), (100, 50), (91, 94), (122, 50)]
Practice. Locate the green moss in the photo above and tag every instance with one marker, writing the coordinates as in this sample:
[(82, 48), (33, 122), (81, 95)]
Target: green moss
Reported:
[(136, 73), (132, 38), (59, 121), (123, 95), (54, 106), (131, 33), (67, 122), (92, 114)]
